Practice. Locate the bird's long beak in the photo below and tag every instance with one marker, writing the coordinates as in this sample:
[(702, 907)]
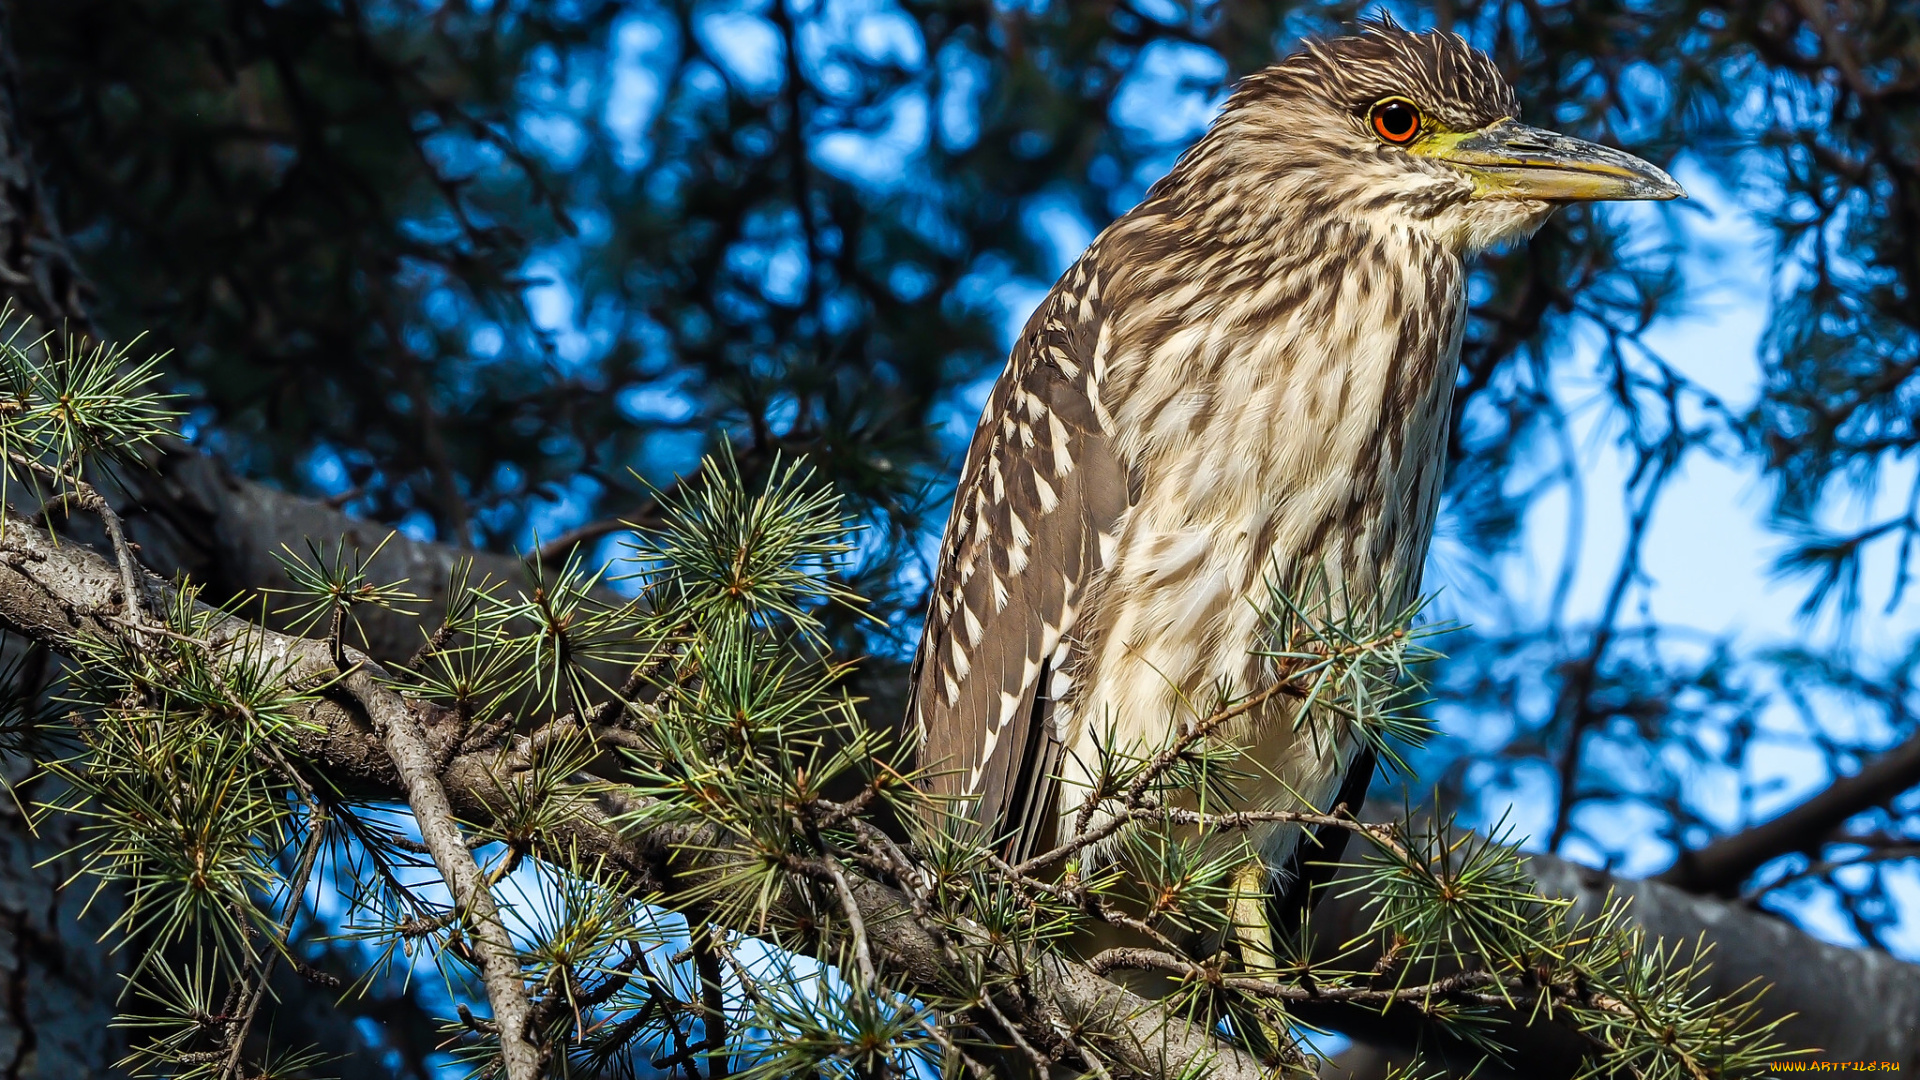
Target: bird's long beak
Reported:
[(1509, 160)]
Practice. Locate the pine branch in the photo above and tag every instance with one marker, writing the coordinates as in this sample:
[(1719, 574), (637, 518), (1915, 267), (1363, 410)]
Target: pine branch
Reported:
[(1818, 987), (725, 821), (416, 763), (57, 594)]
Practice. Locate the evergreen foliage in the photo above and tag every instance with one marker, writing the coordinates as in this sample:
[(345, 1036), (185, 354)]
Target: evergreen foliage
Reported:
[(731, 741)]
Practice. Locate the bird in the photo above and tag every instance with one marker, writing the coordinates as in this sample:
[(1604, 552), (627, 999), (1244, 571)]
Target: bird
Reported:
[(1244, 381)]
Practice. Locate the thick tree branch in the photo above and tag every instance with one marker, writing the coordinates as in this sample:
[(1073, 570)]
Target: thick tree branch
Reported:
[(192, 516), (1850, 1004), (55, 593)]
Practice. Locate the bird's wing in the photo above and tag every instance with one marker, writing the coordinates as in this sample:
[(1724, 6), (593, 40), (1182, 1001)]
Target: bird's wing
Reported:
[(1041, 488)]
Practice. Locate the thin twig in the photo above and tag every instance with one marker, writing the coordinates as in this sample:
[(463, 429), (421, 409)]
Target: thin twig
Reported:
[(132, 596), (297, 889), (856, 926), (1139, 791), (1041, 1063), (713, 999)]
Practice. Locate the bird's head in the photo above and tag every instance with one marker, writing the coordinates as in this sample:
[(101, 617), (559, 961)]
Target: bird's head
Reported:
[(1417, 128)]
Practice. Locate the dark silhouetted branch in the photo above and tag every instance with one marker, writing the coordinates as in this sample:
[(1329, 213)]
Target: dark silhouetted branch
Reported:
[(1720, 868)]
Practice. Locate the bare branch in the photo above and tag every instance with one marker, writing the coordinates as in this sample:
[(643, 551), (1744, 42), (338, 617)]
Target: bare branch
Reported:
[(856, 927), (1720, 868), (416, 761)]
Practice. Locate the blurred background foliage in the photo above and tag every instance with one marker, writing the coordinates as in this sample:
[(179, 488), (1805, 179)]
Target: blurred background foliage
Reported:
[(486, 270)]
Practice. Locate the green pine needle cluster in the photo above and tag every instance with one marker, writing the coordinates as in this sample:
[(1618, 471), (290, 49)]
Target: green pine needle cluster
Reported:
[(66, 403), (191, 808), (699, 714)]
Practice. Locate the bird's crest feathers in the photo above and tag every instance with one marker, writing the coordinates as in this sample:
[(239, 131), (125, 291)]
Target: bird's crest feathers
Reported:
[(1450, 79)]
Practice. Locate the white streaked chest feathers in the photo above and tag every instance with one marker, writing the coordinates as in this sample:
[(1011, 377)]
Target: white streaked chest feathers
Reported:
[(1297, 427)]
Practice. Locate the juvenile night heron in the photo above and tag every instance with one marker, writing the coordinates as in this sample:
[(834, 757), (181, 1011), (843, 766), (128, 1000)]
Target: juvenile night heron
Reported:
[(1246, 376)]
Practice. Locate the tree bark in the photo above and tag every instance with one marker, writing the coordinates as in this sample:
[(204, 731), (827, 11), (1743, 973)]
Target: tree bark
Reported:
[(1847, 1004), (191, 515), (57, 976)]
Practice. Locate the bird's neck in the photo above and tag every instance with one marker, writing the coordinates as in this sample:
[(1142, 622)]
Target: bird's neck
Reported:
[(1196, 315), (1316, 366)]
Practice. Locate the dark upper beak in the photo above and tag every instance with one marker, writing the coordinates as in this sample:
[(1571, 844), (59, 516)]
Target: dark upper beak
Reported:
[(1509, 160)]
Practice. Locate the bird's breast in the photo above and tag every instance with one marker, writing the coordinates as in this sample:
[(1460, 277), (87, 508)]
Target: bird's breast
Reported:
[(1274, 442)]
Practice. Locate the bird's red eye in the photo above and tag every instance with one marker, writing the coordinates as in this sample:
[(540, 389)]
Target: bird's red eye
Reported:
[(1396, 121)]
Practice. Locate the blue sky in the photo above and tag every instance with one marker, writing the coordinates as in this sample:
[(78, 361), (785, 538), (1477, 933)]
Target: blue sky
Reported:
[(1710, 557)]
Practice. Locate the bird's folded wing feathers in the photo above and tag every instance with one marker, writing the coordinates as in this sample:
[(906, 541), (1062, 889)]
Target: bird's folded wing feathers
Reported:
[(1041, 489)]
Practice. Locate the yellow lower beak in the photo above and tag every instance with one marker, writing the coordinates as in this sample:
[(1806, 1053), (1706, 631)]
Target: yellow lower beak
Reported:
[(1509, 160)]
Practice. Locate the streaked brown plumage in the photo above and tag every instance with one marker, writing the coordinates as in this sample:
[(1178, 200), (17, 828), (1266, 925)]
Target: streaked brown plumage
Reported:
[(1245, 377)]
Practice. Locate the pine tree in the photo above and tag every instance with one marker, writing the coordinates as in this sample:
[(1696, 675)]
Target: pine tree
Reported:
[(651, 832), (333, 219)]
